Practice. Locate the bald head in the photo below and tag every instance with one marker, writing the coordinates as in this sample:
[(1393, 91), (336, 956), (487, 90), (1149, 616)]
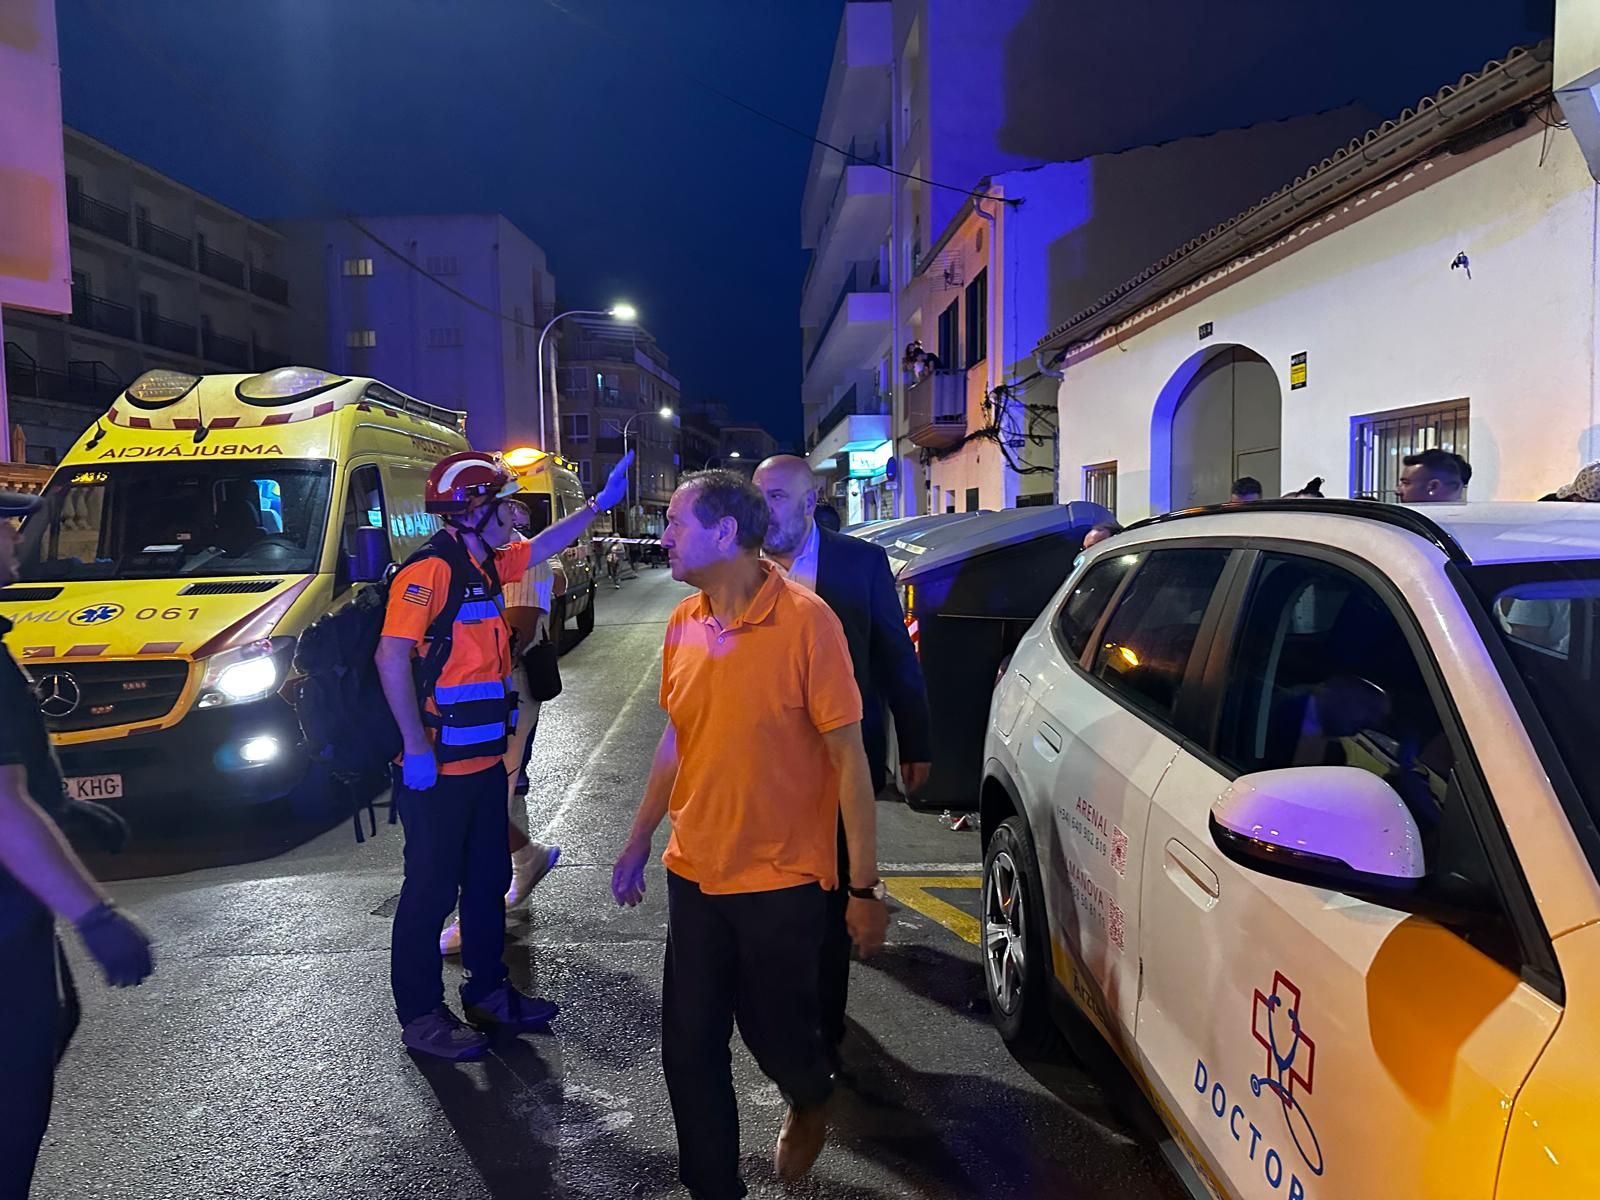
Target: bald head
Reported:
[(791, 494)]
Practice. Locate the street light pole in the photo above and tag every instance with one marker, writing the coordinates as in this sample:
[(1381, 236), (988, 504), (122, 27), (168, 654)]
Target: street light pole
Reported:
[(617, 312), (638, 459)]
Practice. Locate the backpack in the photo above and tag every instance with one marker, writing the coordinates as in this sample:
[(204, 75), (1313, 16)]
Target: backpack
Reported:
[(346, 726)]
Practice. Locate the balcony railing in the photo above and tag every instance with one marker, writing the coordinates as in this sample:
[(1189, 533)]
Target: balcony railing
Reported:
[(89, 385), (857, 402), (863, 277), (101, 315), (936, 409), (269, 286), (164, 244), (860, 152), (608, 445), (266, 359), (230, 352), (166, 334), (98, 217), (221, 267)]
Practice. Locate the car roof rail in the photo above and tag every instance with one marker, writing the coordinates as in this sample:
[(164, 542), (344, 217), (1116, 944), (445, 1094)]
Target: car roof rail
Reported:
[(1396, 515)]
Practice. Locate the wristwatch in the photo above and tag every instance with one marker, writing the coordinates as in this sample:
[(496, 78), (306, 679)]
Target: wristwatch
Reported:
[(875, 891)]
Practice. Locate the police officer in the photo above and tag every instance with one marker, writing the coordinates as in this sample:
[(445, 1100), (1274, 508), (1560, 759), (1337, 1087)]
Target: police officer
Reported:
[(41, 879)]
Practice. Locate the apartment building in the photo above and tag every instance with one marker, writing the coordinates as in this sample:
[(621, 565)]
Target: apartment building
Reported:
[(447, 308), (162, 276)]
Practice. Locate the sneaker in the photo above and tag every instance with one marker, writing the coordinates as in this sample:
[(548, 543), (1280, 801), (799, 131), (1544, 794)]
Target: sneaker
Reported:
[(442, 1035), (804, 1131), (508, 1009), (528, 866), (450, 938)]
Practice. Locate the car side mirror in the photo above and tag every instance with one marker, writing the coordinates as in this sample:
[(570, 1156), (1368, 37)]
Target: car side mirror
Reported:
[(370, 555), (1339, 828)]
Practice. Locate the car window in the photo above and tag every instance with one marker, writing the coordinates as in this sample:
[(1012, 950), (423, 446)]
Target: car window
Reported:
[(363, 509), (1081, 613), (1146, 644), (1323, 675)]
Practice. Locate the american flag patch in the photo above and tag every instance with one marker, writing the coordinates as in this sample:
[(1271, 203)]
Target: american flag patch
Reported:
[(417, 594)]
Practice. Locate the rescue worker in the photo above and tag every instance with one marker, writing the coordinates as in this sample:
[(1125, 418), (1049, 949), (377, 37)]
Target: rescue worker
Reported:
[(451, 794), (41, 879)]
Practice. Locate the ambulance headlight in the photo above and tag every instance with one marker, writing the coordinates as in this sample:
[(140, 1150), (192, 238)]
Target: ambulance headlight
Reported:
[(246, 673)]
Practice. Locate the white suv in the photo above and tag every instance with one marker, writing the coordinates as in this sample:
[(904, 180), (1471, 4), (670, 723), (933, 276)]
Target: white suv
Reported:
[(1295, 804)]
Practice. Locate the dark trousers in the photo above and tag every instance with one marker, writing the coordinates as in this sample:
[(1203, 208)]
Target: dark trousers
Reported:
[(833, 977), (455, 853), (41, 1014), (749, 957)]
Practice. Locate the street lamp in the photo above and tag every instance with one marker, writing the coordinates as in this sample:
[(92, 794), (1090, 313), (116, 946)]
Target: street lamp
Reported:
[(623, 312), (664, 412), (706, 465)]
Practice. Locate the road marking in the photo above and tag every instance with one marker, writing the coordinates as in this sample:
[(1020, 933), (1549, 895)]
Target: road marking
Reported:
[(912, 891), (582, 775), (960, 868)]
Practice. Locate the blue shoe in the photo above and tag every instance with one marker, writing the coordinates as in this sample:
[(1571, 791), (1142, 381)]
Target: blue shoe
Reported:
[(442, 1035), (507, 1009)]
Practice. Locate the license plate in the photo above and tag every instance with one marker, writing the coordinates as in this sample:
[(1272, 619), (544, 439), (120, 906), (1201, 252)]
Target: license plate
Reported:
[(95, 787)]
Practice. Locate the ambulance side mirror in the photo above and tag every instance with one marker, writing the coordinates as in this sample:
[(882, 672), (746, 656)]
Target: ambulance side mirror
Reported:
[(1339, 828), (369, 554)]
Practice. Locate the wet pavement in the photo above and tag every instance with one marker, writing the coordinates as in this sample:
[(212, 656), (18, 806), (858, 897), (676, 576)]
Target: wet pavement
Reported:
[(262, 1059)]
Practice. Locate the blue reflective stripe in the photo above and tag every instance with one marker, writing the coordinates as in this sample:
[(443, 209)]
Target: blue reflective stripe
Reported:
[(457, 693), (478, 610), (472, 735)]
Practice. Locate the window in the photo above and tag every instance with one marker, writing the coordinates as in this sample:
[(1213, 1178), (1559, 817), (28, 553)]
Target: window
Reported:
[(1145, 648), (1323, 675), (575, 427), (443, 264), (1380, 443), (363, 509), (444, 339), (574, 381), (361, 339), (950, 336), (358, 266), (978, 318), (1081, 613), (583, 470), (972, 499), (1100, 485)]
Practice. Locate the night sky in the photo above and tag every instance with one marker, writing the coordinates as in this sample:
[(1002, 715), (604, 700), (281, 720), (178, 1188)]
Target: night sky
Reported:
[(637, 183)]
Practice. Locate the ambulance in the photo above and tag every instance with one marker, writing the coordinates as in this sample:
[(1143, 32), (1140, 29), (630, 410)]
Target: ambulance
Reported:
[(184, 543), (552, 491)]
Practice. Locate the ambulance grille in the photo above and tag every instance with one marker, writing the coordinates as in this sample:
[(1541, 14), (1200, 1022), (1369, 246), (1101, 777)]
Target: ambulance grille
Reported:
[(237, 587), (96, 694), (16, 595)]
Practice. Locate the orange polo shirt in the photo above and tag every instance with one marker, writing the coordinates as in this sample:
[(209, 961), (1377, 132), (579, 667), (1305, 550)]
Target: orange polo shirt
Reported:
[(480, 644), (755, 806)]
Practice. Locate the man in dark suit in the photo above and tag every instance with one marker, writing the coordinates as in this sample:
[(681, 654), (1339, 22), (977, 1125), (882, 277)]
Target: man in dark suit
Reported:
[(853, 578)]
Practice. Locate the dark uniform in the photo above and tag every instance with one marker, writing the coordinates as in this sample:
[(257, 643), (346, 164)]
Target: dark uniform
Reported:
[(41, 1005)]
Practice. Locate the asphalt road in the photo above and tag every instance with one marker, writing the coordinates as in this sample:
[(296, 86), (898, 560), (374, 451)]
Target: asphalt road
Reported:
[(262, 1059)]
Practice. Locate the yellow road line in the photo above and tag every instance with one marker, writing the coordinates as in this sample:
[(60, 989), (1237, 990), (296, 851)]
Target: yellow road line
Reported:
[(913, 891)]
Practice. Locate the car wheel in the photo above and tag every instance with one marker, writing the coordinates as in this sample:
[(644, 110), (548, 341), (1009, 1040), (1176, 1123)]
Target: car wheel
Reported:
[(586, 617), (1015, 944)]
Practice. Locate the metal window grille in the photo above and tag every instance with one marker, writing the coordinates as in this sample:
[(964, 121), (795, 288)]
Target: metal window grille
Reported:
[(1100, 484), (1381, 442)]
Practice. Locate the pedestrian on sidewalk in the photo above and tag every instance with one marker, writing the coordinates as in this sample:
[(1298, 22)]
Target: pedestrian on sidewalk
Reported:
[(528, 602), (41, 879), (761, 751), (1433, 477), (451, 794), (853, 578)]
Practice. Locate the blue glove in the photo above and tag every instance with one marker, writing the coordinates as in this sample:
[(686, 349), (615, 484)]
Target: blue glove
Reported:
[(120, 947), (419, 772)]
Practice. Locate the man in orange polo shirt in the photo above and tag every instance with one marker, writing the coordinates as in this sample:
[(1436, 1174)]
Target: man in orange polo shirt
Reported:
[(451, 794), (761, 752)]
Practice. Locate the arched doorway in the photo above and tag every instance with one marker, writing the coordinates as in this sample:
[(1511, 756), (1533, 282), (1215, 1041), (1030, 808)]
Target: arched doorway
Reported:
[(1227, 422)]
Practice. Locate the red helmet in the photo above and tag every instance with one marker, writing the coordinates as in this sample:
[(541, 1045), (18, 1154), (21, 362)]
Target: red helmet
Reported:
[(455, 482)]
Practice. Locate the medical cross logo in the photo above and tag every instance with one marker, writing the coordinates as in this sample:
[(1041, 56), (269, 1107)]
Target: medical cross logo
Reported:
[(1291, 1062), (415, 593), (95, 614)]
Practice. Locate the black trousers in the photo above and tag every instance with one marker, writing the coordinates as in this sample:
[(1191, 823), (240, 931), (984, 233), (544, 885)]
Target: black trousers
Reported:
[(455, 850), (833, 976), (751, 958), (33, 1036)]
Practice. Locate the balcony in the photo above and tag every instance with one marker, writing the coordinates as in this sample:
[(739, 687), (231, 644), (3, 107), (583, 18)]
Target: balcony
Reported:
[(608, 445), (165, 334), (936, 409), (269, 286), (166, 245), (98, 217), (221, 267), (859, 421), (230, 352), (852, 336), (101, 315), (85, 385)]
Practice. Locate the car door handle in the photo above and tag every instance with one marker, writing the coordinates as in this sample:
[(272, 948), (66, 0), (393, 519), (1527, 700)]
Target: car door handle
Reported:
[(1050, 736), (1190, 875)]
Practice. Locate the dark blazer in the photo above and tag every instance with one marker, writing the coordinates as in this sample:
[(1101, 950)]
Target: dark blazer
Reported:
[(853, 577)]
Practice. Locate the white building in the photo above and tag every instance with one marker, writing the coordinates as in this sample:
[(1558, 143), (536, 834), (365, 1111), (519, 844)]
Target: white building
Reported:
[(1433, 285), (438, 332)]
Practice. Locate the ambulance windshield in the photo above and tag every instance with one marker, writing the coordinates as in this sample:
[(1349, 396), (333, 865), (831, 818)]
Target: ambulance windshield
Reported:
[(165, 520)]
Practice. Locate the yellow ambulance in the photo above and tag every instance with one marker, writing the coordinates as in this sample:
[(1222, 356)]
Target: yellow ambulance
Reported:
[(185, 541), (551, 489)]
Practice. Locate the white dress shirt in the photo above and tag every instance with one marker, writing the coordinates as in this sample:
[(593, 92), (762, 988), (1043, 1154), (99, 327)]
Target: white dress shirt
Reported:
[(804, 568)]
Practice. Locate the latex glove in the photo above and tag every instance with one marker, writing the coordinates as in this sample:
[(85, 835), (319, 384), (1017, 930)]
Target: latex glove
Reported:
[(867, 922), (118, 944), (616, 488), (92, 826), (419, 772), (627, 877)]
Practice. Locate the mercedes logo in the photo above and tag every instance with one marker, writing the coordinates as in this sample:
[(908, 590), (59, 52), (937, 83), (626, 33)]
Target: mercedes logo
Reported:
[(58, 693)]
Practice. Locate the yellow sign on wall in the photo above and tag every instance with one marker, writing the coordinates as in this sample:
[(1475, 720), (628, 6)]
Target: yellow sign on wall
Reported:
[(1297, 371)]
